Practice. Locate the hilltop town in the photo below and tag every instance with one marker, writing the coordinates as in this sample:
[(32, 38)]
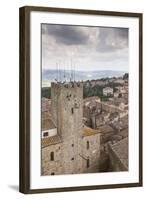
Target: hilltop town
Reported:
[(85, 126)]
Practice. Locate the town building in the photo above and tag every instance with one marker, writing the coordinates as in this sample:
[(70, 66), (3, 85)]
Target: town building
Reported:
[(107, 91), (118, 155)]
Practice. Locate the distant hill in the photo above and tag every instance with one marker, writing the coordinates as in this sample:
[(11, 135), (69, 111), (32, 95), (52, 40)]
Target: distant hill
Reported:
[(51, 75)]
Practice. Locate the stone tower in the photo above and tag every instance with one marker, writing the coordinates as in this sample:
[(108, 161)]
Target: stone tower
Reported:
[(67, 111)]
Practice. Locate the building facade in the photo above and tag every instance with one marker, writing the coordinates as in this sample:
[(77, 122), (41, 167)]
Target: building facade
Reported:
[(118, 155), (108, 91)]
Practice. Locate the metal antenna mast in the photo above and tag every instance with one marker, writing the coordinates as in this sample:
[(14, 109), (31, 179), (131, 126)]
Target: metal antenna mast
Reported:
[(56, 73), (64, 71), (74, 72), (70, 70), (57, 70), (59, 73)]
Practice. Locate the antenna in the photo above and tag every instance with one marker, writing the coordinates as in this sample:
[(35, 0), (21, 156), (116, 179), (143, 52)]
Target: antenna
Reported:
[(57, 71), (70, 69), (64, 71), (74, 72)]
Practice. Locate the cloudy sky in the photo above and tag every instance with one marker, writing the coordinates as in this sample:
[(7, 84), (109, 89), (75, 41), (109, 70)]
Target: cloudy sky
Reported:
[(88, 48)]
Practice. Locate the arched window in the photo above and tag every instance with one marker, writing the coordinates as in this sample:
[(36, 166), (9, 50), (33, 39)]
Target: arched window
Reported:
[(52, 156), (87, 144)]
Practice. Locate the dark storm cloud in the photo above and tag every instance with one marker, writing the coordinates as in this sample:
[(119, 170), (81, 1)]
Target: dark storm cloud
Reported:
[(90, 48), (112, 39), (68, 35)]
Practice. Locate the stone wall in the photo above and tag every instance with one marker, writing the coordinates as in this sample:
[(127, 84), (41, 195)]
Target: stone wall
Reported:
[(114, 162), (108, 108), (91, 152), (55, 166)]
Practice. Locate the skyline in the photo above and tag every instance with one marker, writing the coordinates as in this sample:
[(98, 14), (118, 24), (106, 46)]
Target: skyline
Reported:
[(80, 70), (84, 48)]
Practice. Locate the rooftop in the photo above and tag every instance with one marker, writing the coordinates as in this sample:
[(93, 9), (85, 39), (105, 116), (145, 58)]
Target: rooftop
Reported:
[(121, 150), (107, 88), (51, 140), (48, 124), (91, 101), (87, 131), (124, 133), (105, 129), (46, 104)]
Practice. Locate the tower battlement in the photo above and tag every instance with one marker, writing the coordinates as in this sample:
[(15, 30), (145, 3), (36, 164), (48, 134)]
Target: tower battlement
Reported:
[(67, 84)]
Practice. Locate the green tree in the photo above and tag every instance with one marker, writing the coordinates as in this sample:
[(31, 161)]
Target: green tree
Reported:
[(46, 92)]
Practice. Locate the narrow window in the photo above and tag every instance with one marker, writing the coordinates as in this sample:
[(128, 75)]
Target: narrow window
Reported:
[(45, 134), (72, 145), (88, 163), (87, 144), (72, 110), (72, 159), (52, 156), (52, 173)]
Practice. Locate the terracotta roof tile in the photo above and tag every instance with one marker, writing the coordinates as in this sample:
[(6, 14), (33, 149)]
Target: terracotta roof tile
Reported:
[(51, 140), (87, 131), (105, 129), (48, 124), (121, 150)]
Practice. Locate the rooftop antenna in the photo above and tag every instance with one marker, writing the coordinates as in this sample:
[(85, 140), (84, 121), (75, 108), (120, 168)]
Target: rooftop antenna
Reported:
[(74, 72), (64, 72), (70, 70), (59, 74), (57, 71), (67, 71)]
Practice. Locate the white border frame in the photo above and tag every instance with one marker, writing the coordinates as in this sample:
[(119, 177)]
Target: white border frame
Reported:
[(132, 176)]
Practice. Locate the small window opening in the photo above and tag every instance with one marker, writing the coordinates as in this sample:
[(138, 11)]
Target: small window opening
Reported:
[(87, 144), (72, 110), (88, 163), (52, 156), (45, 134)]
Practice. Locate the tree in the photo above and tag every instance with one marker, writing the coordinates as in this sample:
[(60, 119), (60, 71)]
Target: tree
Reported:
[(126, 76), (46, 92)]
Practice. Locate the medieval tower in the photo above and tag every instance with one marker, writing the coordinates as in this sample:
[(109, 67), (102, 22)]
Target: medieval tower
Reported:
[(67, 111)]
